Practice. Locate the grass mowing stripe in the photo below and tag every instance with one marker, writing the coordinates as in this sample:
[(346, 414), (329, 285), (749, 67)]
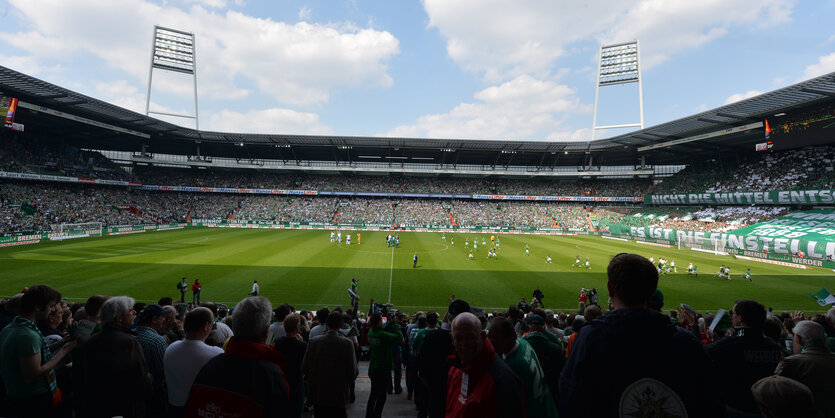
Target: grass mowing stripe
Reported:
[(304, 269)]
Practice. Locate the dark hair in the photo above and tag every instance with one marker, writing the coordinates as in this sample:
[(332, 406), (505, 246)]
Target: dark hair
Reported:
[(93, 304), (335, 320), (632, 278), (322, 315), (432, 318), (376, 319), (421, 322), (503, 327), (514, 312), (281, 312), (166, 301), (210, 306), (197, 319), (751, 312), (38, 295)]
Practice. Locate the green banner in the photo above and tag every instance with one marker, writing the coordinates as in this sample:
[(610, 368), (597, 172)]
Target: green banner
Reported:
[(782, 197), (806, 237)]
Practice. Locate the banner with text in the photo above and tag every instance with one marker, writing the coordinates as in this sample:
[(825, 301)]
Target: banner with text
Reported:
[(806, 237), (782, 197)]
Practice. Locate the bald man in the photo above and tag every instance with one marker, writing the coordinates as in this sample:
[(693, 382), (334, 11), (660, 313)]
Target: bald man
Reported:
[(479, 383)]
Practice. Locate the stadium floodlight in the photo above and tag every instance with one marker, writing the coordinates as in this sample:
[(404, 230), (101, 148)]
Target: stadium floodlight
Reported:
[(619, 64), (173, 50)]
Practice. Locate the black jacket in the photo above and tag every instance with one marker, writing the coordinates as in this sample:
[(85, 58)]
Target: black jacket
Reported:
[(116, 379), (740, 361), (630, 358)]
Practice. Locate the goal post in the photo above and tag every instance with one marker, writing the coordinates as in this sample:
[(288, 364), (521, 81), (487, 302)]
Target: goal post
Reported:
[(703, 244), (77, 230)]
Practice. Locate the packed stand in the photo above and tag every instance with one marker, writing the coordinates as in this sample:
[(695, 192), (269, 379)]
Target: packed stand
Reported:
[(383, 184), (34, 156), (805, 168)]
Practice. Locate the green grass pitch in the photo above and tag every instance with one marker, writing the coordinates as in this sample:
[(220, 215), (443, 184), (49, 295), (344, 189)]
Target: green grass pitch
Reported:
[(303, 268)]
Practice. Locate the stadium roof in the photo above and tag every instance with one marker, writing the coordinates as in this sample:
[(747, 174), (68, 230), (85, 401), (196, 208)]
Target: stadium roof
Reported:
[(627, 149)]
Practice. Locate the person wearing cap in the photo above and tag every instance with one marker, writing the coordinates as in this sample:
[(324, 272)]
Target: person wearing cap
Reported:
[(432, 359), (151, 320), (656, 302), (812, 364), (522, 359), (640, 354), (745, 357), (549, 353)]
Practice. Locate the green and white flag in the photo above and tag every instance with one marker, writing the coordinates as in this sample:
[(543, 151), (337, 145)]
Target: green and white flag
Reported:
[(687, 217), (824, 297)]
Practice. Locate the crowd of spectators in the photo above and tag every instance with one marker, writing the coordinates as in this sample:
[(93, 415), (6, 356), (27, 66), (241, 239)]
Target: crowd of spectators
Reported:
[(385, 184), (38, 206), (34, 156), (804, 168), (113, 356)]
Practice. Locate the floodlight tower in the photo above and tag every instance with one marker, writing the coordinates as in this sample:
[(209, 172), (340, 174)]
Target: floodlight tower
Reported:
[(619, 64), (173, 50)]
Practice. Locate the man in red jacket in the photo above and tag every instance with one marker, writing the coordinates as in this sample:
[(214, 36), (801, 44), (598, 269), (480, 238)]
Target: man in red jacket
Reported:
[(480, 384)]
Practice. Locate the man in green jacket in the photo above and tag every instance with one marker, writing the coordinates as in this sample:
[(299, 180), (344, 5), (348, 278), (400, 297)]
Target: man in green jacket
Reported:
[(521, 358), (381, 363)]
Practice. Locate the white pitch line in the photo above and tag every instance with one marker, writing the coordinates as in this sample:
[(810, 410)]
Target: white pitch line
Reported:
[(391, 273)]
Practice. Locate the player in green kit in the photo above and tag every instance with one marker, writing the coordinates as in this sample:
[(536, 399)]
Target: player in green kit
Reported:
[(748, 276), (577, 262), (527, 250)]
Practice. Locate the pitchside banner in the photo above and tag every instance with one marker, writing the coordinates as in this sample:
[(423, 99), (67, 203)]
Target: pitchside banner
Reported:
[(784, 197), (808, 237)]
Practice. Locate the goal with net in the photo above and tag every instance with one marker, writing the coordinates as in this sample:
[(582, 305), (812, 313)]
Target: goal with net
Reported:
[(704, 244), (76, 230)]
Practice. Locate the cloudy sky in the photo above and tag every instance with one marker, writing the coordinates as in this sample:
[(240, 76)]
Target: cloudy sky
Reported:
[(488, 69)]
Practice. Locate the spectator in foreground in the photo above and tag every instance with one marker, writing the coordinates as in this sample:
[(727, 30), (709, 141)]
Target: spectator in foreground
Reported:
[(246, 380), (27, 363), (292, 347), (116, 378), (549, 353), (781, 397), (480, 384), (744, 358), (813, 365), (184, 359), (639, 353), (153, 347), (330, 365), (380, 341), (433, 367), (521, 358)]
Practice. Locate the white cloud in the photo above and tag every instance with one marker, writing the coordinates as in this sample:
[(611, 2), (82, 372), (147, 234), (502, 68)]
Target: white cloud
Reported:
[(126, 95), (518, 109), (269, 121), (217, 4), (742, 96), (501, 40), (568, 136), (305, 13), (825, 65), (293, 63)]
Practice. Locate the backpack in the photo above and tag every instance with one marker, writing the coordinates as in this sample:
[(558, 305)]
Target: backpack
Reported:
[(179, 285)]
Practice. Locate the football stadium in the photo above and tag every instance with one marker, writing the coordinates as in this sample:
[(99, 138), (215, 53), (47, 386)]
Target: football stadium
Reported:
[(731, 208)]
